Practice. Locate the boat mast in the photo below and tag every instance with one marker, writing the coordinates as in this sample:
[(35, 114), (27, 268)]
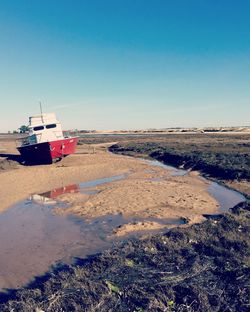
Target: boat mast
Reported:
[(41, 110)]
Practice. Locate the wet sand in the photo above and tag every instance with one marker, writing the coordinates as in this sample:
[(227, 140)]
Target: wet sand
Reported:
[(148, 191), (20, 182)]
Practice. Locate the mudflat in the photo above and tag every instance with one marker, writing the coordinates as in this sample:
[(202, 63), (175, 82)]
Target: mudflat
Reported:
[(203, 267), (147, 191)]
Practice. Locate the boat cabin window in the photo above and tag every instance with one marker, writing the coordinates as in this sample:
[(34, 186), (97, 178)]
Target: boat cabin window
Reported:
[(38, 128), (51, 126)]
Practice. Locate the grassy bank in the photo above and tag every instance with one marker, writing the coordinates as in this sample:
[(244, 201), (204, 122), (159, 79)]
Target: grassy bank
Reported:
[(201, 268), (220, 156)]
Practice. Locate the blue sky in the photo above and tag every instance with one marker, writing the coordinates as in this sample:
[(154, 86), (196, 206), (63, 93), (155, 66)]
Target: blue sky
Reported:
[(131, 64)]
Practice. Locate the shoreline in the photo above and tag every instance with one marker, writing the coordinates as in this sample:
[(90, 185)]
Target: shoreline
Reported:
[(183, 263)]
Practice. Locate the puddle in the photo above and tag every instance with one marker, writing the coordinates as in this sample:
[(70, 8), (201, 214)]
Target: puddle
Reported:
[(84, 188), (49, 197), (156, 179), (32, 238), (225, 197), (173, 171), (97, 182)]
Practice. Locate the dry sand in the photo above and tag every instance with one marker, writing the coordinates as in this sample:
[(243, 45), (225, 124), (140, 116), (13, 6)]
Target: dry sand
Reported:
[(147, 192)]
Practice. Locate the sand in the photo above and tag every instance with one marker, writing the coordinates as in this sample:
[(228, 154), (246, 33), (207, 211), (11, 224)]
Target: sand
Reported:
[(147, 191)]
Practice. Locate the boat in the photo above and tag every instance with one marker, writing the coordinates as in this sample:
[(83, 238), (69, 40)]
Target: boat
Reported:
[(46, 142)]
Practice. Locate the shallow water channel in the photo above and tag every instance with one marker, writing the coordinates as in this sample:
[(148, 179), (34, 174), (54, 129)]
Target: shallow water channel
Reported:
[(32, 238)]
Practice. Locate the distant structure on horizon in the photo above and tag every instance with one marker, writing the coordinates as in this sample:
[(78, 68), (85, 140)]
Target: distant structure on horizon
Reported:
[(169, 130)]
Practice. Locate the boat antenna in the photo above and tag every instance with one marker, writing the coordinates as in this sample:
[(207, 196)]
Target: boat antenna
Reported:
[(41, 110)]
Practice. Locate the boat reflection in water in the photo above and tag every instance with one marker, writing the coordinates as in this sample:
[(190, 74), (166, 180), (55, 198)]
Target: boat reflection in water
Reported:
[(49, 198)]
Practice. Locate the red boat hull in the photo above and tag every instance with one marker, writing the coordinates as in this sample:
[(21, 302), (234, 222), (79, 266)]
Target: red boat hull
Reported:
[(47, 152)]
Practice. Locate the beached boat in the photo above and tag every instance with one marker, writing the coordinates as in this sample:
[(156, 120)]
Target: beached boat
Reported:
[(46, 142)]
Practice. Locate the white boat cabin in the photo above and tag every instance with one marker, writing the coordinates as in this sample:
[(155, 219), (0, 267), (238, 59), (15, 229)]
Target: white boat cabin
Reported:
[(44, 128)]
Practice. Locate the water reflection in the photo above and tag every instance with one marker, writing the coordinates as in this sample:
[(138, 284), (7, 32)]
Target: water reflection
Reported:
[(49, 198), (32, 238)]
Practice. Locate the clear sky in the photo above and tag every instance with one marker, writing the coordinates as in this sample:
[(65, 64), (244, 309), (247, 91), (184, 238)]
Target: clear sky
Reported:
[(125, 64)]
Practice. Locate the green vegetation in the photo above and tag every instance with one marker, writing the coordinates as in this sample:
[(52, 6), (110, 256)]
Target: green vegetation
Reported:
[(24, 129)]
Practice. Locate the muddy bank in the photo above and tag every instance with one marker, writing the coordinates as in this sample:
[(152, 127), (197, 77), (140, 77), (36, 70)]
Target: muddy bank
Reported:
[(221, 156), (201, 268), (216, 164)]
